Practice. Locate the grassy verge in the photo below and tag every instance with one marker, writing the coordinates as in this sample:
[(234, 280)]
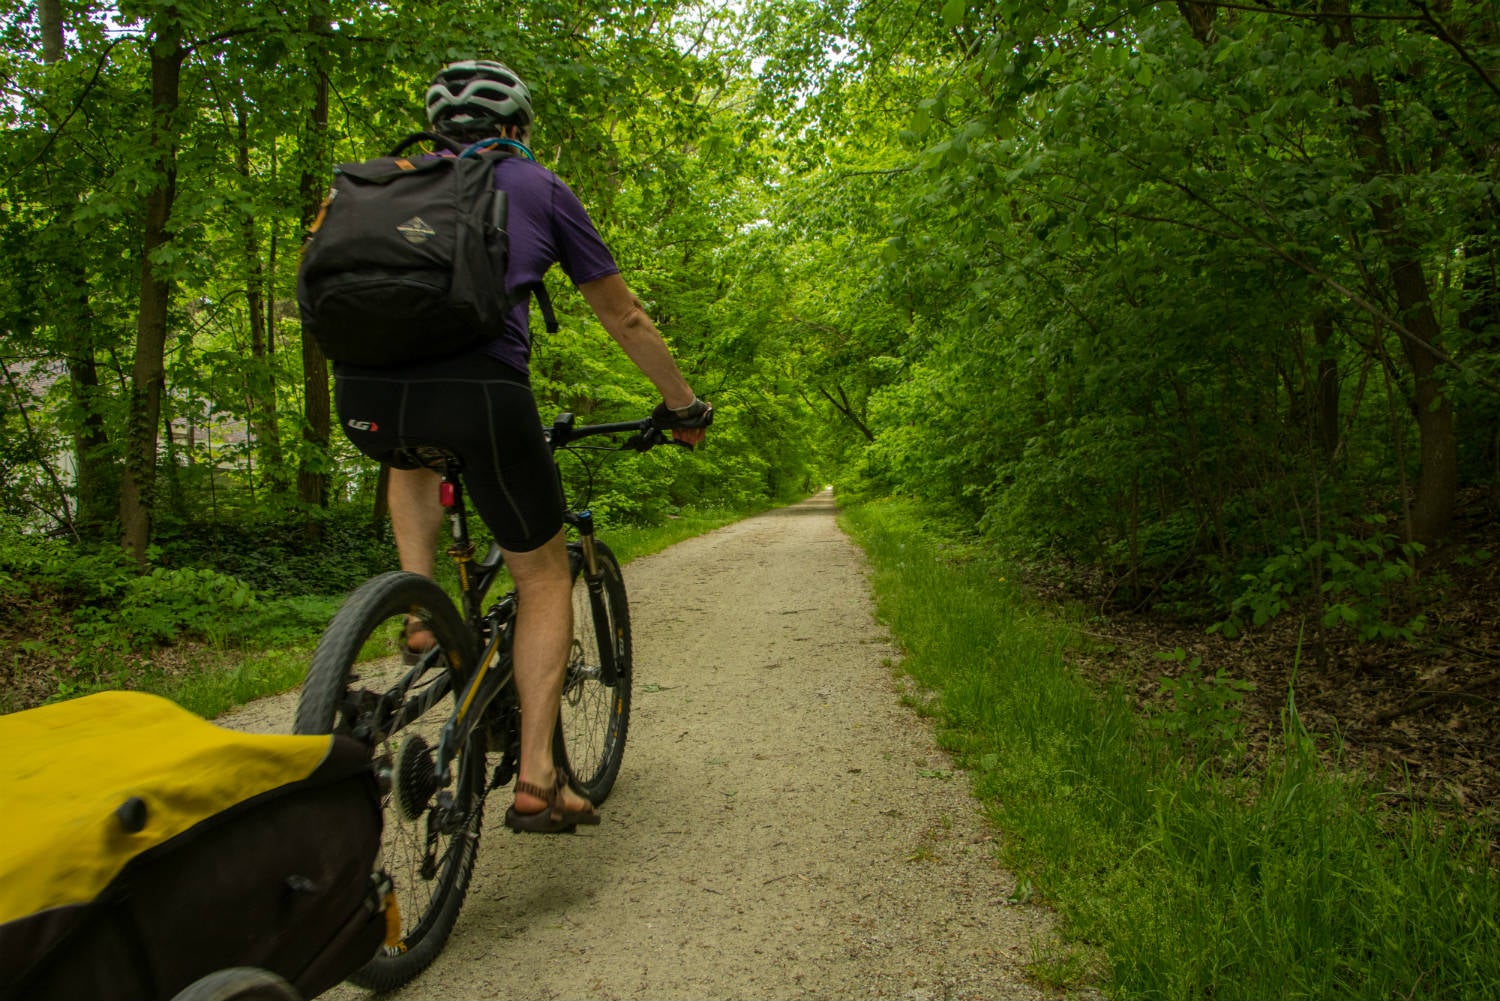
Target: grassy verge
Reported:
[(260, 648), (225, 679), (211, 678), (1176, 874)]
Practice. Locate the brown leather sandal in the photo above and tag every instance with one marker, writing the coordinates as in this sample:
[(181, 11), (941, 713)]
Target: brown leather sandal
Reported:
[(554, 818), (414, 626)]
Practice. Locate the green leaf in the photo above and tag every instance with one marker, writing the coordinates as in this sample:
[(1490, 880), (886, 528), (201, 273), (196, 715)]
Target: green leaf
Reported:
[(921, 121)]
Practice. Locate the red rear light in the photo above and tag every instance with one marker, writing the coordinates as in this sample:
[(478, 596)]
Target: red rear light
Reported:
[(448, 494)]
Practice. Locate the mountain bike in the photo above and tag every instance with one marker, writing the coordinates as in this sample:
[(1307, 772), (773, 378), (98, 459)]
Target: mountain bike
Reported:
[(432, 726)]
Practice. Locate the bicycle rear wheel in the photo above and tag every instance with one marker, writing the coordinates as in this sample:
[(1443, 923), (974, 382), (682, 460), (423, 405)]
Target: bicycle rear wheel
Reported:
[(590, 740), (355, 686), (239, 983)]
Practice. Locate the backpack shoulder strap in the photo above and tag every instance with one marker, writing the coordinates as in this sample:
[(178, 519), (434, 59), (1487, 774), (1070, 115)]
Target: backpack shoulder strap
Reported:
[(544, 303), (440, 141), (500, 148)]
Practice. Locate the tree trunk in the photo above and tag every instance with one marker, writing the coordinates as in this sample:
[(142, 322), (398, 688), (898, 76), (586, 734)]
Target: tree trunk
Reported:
[(96, 482), (96, 487), (1326, 398), (1437, 483), (1200, 18), (262, 389), (1480, 321), (148, 371), (312, 480), (381, 509), (49, 13)]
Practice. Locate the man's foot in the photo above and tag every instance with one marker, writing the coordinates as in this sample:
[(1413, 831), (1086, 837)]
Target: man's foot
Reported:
[(539, 810), (416, 639)]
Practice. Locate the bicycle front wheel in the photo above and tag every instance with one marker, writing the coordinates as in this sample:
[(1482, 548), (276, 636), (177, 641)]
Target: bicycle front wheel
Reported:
[(358, 685), (590, 740)]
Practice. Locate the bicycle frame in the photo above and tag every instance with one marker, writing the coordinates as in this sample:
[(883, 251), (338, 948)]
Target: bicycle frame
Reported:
[(476, 576)]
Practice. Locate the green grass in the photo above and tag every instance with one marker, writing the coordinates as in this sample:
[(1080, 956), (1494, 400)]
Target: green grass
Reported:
[(234, 678), (257, 650), (1175, 877)]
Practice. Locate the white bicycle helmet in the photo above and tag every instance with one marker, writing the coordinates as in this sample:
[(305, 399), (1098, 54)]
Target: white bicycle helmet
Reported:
[(477, 93)]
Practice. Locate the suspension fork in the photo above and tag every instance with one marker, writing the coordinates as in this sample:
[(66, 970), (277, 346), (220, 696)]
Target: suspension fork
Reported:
[(584, 522), (593, 579)]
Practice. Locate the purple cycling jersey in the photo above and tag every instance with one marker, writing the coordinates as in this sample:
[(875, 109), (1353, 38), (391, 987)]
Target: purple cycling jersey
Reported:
[(547, 225)]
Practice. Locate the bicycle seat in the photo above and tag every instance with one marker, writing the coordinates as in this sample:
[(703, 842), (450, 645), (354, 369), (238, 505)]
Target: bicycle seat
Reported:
[(425, 456)]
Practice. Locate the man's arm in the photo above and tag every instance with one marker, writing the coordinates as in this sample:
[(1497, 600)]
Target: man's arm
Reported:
[(626, 321)]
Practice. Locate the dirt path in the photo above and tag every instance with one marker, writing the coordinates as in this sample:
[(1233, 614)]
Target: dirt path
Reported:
[(783, 827)]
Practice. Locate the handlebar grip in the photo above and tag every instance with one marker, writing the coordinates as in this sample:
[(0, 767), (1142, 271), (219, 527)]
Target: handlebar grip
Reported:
[(701, 416), (648, 438)]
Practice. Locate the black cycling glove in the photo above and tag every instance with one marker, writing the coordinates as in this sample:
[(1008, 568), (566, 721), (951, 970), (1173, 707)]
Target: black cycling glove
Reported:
[(697, 414)]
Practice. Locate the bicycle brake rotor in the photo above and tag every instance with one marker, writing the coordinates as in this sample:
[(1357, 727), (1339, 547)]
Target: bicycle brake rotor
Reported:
[(415, 780)]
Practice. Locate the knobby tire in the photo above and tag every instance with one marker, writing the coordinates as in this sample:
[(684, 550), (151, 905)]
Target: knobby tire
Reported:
[(365, 637), (239, 983), (591, 728)]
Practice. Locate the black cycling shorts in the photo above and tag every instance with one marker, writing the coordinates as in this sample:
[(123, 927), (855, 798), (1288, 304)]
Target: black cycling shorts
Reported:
[(480, 410)]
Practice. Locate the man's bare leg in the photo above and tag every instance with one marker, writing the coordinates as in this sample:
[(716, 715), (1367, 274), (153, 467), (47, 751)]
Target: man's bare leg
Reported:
[(416, 517), (544, 620), (544, 631), (416, 520)]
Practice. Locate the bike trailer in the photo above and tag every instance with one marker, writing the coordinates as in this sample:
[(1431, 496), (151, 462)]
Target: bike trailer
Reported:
[(144, 848)]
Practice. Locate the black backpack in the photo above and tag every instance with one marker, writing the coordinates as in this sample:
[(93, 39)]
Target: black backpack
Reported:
[(407, 258)]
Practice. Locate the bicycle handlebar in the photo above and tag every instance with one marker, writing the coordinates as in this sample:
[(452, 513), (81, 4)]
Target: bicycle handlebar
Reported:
[(565, 431)]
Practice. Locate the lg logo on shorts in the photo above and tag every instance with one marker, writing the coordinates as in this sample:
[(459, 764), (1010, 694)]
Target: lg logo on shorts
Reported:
[(359, 425)]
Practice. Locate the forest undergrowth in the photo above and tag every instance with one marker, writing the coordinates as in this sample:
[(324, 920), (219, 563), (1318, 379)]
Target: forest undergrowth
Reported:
[(1418, 716)]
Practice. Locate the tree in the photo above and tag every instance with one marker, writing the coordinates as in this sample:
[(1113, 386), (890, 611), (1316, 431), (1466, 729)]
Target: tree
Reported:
[(312, 480), (1168, 263), (168, 158), (148, 372), (1416, 321)]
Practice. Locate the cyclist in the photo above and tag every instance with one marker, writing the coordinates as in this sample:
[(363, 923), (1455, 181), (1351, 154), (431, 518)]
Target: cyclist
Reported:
[(479, 406)]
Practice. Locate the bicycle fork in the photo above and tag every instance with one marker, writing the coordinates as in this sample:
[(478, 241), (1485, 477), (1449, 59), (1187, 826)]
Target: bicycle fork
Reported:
[(593, 579)]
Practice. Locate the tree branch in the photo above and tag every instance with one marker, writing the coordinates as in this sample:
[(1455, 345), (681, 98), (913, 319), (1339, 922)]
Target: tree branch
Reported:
[(77, 104), (1447, 39), (848, 412), (193, 45), (41, 456), (1426, 16), (1296, 261), (1305, 15)]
